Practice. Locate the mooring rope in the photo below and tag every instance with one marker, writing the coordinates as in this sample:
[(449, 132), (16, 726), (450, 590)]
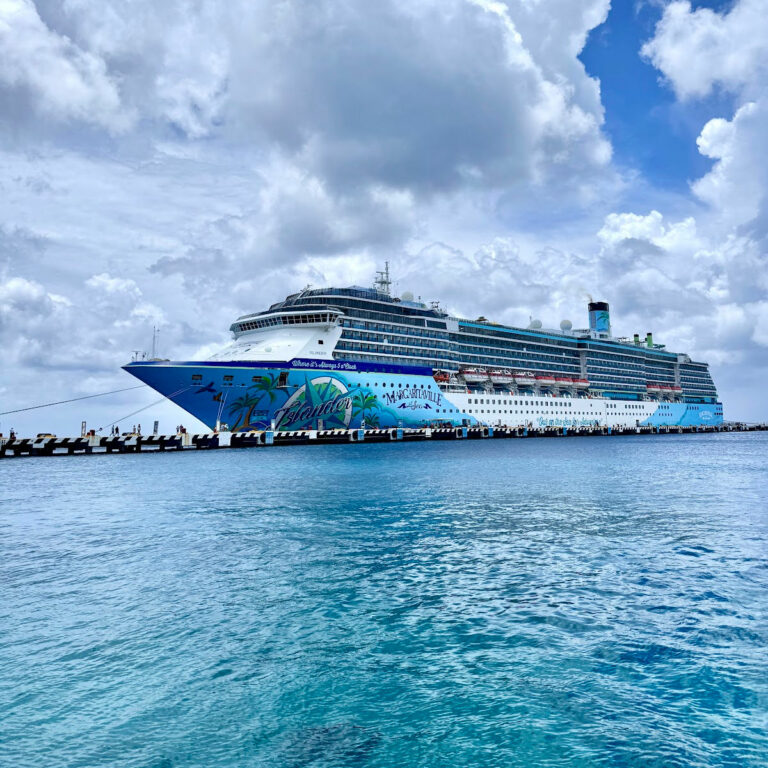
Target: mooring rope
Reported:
[(157, 402), (71, 400)]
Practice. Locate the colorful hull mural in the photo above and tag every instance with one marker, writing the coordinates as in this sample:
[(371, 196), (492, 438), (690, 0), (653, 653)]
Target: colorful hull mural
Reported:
[(305, 394), (322, 394)]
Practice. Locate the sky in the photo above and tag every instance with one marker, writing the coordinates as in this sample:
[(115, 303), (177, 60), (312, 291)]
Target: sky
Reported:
[(180, 164)]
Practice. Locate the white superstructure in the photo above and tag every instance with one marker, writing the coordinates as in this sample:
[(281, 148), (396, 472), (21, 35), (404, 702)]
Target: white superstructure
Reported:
[(283, 336)]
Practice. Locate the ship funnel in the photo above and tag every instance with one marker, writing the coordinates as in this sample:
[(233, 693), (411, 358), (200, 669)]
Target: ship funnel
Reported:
[(599, 317), (637, 338), (649, 339)]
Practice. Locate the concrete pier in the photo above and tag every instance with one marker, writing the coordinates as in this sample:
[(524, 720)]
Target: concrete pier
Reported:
[(49, 445)]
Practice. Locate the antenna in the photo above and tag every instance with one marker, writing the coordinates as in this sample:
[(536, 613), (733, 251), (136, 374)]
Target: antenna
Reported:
[(382, 283), (155, 336)]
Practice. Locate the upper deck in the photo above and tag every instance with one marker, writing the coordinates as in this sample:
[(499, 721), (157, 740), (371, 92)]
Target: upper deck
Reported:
[(377, 327)]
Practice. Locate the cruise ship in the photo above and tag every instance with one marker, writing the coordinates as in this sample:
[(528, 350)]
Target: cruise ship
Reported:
[(327, 358)]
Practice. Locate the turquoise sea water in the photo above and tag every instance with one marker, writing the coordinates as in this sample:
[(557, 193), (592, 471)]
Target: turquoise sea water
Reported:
[(561, 602)]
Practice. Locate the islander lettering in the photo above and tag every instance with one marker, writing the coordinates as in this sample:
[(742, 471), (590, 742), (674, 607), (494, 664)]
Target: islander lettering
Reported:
[(301, 412)]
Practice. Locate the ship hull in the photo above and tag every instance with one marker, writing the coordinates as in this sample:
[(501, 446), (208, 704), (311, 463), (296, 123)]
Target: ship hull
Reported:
[(327, 394)]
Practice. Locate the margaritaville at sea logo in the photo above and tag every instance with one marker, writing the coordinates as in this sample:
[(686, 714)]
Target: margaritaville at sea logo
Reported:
[(324, 397), (413, 393)]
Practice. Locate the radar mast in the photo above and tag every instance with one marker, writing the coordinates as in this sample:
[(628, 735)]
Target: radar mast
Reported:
[(382, 283)]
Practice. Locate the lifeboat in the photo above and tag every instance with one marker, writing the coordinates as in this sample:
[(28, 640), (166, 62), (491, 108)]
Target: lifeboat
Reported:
[(581, 383), (651, 387), (502, 377), (441, 377), (677, 390), (524, 377), (564, 381), (545, 380), (474, 375)]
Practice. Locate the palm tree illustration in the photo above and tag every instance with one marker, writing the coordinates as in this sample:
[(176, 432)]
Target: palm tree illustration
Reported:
[(362, 404), (265, 386), (247, 402)]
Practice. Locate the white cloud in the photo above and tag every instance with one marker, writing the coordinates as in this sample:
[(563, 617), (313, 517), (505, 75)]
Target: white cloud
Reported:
[(428, 95), (737, 185), (91, 330), (760, 332), (64, 81), (113, 285), (699, 50)]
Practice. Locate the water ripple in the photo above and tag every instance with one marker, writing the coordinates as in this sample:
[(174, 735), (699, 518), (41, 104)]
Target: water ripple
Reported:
[(499, 603)]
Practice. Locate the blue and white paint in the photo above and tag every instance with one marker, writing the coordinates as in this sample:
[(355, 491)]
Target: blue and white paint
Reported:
[(326, 394)]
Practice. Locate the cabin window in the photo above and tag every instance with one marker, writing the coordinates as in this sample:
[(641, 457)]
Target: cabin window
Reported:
[(228, 378), (282, 379), (197, 378), (319, 341)]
